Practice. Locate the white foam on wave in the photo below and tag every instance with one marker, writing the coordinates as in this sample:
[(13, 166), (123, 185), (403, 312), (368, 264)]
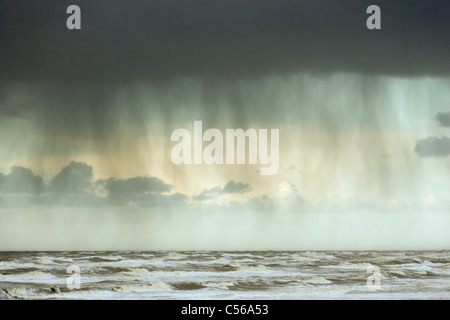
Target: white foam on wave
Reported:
[(219, 285), (32, 276), (157, 286), (144, 274), (19, 293), (423, 272), (348, 265), (111, 258), (5, 265), (217, 261), (257, 268), (32, 293), (63, 259), (175, 256), (220, 261), (243, 256), (420, 266), (131, 263), (300, 292), (146, 255), (138, 273), (444, 270), (318, 255), (293, 292), (300, 258), (44, 261), (397, 272), (315, 280), (438, 255), (223, 276), (87, 294)]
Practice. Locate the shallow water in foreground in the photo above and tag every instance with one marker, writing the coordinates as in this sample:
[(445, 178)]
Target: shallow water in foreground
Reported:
[(226, 275)]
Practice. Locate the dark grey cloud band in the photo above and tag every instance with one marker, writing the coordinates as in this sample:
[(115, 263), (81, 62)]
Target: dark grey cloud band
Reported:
[(161, 39)]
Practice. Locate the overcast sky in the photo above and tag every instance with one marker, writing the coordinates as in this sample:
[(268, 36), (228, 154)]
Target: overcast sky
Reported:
[(161, 39), (86, 118)]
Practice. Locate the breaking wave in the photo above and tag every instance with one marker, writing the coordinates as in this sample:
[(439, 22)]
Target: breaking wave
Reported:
[(27, 276), (158, 286), (224, 275)]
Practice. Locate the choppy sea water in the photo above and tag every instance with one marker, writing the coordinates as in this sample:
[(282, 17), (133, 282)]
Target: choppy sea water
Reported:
[(226, 275)]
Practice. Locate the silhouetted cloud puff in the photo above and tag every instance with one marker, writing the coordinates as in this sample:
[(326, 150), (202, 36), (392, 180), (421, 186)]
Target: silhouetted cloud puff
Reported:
[(133, 190), (443, 118), (433, 147), (229, 188), (74, 186), (74, 178), (21, 180), (136, 185), (235, 187)]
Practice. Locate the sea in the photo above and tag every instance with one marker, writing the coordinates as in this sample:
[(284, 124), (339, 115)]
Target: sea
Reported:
[(268, 275)]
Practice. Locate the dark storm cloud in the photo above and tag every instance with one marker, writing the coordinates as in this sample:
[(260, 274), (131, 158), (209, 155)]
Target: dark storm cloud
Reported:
[(75, 108), (433, 147), (10, 112), (230, 188), (21, 180), (74, 186), (160, 39), (74, 178), (443, 118), (15, 106)]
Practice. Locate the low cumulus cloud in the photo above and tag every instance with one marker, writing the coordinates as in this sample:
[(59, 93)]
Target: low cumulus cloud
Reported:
[(21, 180), (74, 178), (136, 185), (443, 118), (74, 186), (433, 147), (236, 187), (231, 187), (133, 190)]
